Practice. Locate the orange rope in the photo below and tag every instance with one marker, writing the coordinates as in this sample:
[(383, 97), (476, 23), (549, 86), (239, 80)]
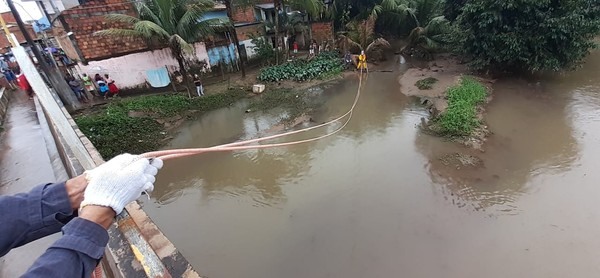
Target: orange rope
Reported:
[(244, 145)]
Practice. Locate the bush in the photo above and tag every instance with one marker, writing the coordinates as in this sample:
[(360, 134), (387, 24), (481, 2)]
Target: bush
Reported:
[(325, 64), (527, 35), (426, 84), (460, 119), (113, 131)]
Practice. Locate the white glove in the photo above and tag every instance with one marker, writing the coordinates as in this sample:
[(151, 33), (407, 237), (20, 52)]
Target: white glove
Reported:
[(120, 181)]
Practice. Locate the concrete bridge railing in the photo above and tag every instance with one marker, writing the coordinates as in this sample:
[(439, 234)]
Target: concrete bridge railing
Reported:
[(4, 96), (137, 247)]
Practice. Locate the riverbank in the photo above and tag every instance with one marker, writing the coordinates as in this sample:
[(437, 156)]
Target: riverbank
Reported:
[(146, 123), (455, 100)]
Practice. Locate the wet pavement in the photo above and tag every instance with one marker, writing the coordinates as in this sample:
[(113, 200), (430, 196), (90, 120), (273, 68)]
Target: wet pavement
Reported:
[(27, 159)]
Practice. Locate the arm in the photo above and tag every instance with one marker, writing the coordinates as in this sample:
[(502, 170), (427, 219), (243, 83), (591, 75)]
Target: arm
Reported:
[(110, 187), (77, 253), (38, 213)]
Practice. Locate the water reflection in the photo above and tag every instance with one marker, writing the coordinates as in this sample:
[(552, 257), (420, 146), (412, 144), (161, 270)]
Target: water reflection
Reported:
[(260, 173), (532, 136)]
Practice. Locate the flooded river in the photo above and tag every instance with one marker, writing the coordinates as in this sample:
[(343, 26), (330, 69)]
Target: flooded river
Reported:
[(376, 200)]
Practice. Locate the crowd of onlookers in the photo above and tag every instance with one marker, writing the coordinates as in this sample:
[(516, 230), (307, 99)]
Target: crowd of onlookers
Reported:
[(99, 86)]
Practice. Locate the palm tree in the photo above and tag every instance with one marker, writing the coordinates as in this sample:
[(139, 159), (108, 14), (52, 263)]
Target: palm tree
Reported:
[(361, 35), (174, 23), (428, 28)]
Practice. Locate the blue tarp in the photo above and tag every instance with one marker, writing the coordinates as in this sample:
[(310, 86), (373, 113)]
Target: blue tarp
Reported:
[(158, 78), (222, 54)]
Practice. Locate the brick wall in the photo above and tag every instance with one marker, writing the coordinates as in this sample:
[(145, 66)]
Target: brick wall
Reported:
[(244, 32), (322, 31), (243, 14), (88, 18), (10, 20), (247, 14)]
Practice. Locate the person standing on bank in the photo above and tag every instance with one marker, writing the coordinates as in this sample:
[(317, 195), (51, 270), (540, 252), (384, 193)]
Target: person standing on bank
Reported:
[(88, 84), (362, 61), (198, 84), (99, 195), (112, 87)]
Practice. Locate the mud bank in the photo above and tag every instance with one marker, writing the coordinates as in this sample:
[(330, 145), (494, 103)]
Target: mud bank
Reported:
[(430, 85)]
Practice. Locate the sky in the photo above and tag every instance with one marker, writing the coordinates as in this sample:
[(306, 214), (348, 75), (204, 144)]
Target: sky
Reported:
[(32, 12)]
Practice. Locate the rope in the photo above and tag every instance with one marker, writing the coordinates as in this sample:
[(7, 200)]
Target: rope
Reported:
[(245, 145)]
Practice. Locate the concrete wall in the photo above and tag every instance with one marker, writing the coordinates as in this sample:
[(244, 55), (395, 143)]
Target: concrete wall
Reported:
[(3, 104), (130, 70), (249, 48)]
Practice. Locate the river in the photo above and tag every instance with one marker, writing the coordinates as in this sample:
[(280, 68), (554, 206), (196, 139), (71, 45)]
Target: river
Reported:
[(376, 200)]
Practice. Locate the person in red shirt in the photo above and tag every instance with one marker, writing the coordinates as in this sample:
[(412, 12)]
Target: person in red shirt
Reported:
[(295, 45), (24, 84)]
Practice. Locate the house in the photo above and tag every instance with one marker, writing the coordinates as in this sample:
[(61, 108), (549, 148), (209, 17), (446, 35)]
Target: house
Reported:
[(127, 59), (10, 21)]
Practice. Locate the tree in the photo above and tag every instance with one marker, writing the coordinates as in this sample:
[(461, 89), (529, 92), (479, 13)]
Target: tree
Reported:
[(527, 35), (312, 8), (277, 4), (361, 35), (229, 5), (427, 28), (453, 8), (174, 23)]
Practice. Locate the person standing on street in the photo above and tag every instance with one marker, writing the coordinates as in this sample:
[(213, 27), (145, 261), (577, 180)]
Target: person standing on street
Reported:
[(198, 84)]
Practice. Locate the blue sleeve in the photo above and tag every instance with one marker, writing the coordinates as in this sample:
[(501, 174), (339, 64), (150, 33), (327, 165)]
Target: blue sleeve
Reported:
[(75, 254), (29, 216)]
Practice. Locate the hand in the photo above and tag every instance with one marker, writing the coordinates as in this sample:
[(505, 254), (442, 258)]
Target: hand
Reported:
[(120, 181), (75, 188)]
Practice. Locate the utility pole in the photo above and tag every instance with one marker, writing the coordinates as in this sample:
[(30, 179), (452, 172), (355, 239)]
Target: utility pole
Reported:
[(58, 83), (36, 51), (7, 32)]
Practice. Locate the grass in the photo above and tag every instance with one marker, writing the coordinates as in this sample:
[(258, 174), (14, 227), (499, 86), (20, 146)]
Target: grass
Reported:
[(460, 119), (426, 83), (113, 131), (294, 103)]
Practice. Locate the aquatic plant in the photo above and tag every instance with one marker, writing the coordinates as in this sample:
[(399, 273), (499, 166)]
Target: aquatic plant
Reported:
[(325, 64), (460, 119)]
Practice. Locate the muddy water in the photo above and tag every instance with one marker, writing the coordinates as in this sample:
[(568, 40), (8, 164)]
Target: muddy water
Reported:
[(377, 200)]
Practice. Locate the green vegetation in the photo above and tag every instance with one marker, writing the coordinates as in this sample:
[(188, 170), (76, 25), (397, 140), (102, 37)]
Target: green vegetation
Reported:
[(360, 35), (426, 83), (130, 125), (264, 50), (325, 64), (294, 103), (460, 119), (527, 35), (423, 21)]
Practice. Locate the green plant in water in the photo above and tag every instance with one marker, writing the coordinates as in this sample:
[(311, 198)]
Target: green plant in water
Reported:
[(426, 83), (325, 64), (460, 119), (113, 131)]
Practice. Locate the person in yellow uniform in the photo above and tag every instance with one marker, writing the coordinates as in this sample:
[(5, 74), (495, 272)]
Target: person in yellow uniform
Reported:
[(362, 61)]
